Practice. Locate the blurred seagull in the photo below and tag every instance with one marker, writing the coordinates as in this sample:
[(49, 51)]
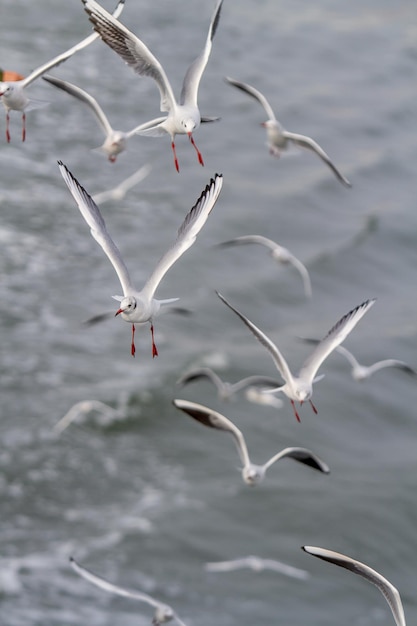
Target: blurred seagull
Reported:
[(84, 407), (388, 590), (120, 191), (257, 564), (225, 390), (279, 253), (141, 306), (116, 140), (163, 612), (13, 94), (251, 473), (300, 388), (278, 137), (184, 117)]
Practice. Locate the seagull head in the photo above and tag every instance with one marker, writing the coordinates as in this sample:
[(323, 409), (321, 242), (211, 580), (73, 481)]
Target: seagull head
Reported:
[(127, 306), (251, 475), (303, 394), (5, 89), (189, 125)]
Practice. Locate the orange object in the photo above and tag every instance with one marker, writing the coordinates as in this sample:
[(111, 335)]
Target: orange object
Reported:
[(7, 75)]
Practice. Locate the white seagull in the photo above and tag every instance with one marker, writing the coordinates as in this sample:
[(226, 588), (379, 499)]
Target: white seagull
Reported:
[(278, 253), (141, 306), (184, 117), (163, 612), (12, 93), (279, 138), (225, 390), (300, 388), (252, 474), (115, 140), (388, 590), (257, 564), (119, 192)]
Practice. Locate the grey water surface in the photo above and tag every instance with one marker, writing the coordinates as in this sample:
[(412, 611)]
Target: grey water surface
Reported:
[(148, 496)]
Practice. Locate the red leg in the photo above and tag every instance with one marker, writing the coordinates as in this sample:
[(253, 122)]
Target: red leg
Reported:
[(23, 126), (313, 407), (154, 348), (7, 127), (132, 346), (177, 167), (200, 158), (112, 158), (297, 417)]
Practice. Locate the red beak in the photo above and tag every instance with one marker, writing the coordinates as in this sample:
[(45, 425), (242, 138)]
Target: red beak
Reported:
[(118, 312)]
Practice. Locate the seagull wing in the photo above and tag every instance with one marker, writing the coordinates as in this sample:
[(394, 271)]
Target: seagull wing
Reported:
[(255, 381), (202, 372), (392, 363), (120, 591), (85, 97), (388, 590), (215, 420), (195, 71), (310, 144), (66, 55), (303, 272), (334, 337), (277, 357), (132, 50), (247, 239), (187, 233), (348, 356), (251, 91), (302, 455), (227, 566), (94, 219)]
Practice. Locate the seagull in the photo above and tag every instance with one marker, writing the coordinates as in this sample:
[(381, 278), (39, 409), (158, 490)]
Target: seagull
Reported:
[(252, 474), (163, 612), (278, 137), (120, 191), (257, 564), (116, 140), (300, 388), (388, 590), (141, 306), (12, 93), (184, 117), (362, 372), (225, 390), (87, 406), (279, 253)]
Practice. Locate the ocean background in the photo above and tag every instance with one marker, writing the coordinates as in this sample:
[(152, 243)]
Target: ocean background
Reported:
[(144, 496)]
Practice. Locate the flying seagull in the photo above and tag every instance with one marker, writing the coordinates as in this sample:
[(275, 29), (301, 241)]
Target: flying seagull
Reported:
[(184, 117), (299, 388), (252, 474), (279, 138), (139, 307)]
